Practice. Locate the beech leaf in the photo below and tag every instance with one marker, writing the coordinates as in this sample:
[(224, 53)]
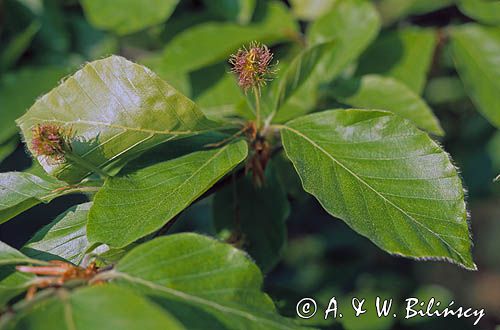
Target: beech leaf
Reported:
[(385, 178)]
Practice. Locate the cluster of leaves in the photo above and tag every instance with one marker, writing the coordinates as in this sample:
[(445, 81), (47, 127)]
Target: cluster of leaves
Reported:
[(148, 143)]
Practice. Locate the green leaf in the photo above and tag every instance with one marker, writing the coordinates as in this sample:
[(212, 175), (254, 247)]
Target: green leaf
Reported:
[(421, 7), (216, 92), (261, 230), (240, 11), (98, 307), (376, 92), (18, 90), (21, 191), (210, 43), (16, 47), (9, 255), (475, 51), (386, 179), (190, 274), (394, 10), (342, 24), (298, 72), (12, 284), (65, 237), (445, 89), (8, 147), (116, 109), (127, 16), (484, 11), (405, 54), (309, 10), (139, 203)]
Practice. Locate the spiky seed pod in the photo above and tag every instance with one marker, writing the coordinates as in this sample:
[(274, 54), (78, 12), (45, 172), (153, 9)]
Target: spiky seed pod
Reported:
[(51, 141), (252, 66)]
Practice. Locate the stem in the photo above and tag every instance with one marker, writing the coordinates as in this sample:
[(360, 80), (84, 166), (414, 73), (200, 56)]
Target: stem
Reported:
[(256, 92), (86, 164)]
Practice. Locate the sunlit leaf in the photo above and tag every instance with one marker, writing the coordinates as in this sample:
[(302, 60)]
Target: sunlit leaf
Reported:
[(21, 191), (116, 109), (386, 179), (210, 43), (484, 11), (309, 10), (65, 237), (376, 92)]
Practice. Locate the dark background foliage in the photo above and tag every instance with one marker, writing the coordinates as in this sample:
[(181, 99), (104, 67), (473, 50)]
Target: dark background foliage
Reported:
[(323, 256)]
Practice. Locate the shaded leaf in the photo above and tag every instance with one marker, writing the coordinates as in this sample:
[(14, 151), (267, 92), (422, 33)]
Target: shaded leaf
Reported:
[(139, 203), (127, 16), (220, 98), (214, 281), (116, 110), (405, 54), (484, 11), (297, 73), (21, 191), (394, 10), (8, 147), (65, 237), (18, 90), (376, 92), (475, 51), (16, 47), (342, 25), (12, 284), (386, 179), (9, 255), (240, 11), (260, 229), (442, 90), (421, 7), (97, 307)]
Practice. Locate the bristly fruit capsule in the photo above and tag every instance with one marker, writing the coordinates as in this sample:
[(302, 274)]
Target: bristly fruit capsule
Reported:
[(51, 141), (253, 66)]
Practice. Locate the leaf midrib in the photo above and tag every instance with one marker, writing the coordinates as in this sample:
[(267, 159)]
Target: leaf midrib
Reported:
[(125, 128), (298, 133), (196, 299)]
